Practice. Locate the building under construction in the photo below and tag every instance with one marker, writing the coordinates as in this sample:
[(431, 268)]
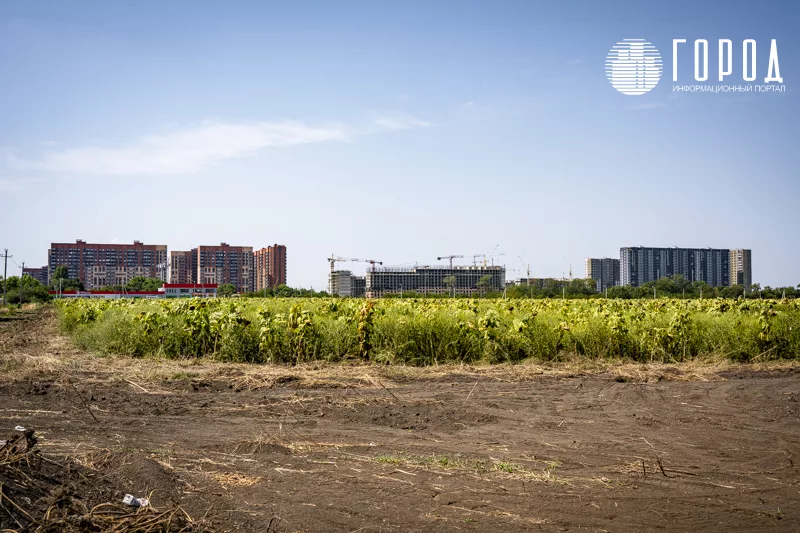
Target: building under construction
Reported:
[(344, 283), (458, 280)]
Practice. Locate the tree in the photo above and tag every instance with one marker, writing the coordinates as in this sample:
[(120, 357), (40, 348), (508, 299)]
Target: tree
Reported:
[(226, 290), (450, 283), (701, 287), (143, 284), (60, 280), (32, 290), (581, 287), (61, 272), (680, 285), (619, 292), (282, 291), (484, 283), (734, 291)]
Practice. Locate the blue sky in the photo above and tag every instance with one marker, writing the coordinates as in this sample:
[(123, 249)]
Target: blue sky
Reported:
[(395, 131)]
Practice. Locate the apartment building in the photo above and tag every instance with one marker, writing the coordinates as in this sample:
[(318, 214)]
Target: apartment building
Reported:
[(224, 264), (461, 280), (39, 274), (270, 267), (604, 271), (741, 272), (180, 267), (102, 265), (639, 265)]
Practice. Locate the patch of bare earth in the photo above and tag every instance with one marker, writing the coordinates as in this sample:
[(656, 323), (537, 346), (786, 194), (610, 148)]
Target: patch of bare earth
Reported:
[(327, 448)]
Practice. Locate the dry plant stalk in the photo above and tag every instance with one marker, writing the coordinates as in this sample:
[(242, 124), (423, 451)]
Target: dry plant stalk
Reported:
[(24, 482)]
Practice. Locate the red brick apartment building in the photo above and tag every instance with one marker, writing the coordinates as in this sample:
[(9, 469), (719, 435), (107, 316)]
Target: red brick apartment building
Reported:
[(39, 274), (180, 267), (270, 267), (214, 264), (102, 265)]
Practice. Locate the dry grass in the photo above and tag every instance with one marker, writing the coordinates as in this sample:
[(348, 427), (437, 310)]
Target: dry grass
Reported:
[(480, 466), (233, 479), (39, 494)]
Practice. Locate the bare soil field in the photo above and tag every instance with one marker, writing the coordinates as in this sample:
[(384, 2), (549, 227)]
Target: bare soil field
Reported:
[(330, 448)]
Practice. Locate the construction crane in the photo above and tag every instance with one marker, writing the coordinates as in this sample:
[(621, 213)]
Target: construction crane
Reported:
[(450, 257), (333, 259), (336, 259), (528, 270), (486, 256), (372, 262)]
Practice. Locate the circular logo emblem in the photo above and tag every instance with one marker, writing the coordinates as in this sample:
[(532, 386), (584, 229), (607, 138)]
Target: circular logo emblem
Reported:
[(633, 66)]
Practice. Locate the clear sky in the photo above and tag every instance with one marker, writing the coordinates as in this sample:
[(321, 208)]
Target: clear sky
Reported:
[(397, 131)]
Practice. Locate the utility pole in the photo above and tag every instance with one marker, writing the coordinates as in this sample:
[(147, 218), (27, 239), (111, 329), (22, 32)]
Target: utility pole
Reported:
[(21, 282), (5, 274)]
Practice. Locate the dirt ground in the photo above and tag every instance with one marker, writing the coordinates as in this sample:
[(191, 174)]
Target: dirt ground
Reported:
[(368, 449)]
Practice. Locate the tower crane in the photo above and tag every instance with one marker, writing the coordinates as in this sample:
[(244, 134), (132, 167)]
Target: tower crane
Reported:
[(497, 255), (333, 259), (486, 256), (528, 270), (372, 262), (450, 257)]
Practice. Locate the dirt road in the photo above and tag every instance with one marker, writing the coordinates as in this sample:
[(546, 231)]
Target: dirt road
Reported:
[(391, 451)]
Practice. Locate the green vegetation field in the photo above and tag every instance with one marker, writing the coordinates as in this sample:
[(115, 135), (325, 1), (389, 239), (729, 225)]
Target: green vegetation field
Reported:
[(424, 332)]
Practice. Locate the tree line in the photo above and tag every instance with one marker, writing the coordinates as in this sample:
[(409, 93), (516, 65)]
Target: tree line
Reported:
[(672, 287), (27, 289)]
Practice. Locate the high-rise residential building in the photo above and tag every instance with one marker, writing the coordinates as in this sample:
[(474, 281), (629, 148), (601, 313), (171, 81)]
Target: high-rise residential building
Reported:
[(102, 265), (270, 267), (639, 265), (277, 264), (224, 264), (605, 271), (39, 274), (180, 267), (463, 280), (741, 270)]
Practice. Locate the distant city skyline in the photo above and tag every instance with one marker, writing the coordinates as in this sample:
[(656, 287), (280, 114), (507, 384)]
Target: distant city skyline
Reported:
[(400, 132)]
